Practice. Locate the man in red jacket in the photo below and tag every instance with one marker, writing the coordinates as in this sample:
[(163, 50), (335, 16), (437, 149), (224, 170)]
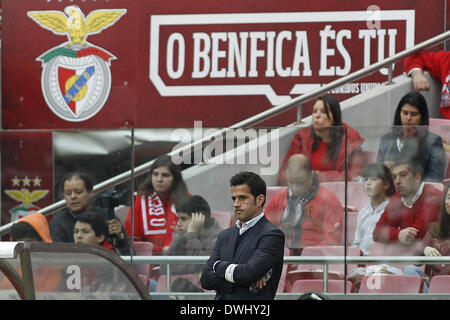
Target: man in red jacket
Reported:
[(438, 65), (308, 214), (411, 209)]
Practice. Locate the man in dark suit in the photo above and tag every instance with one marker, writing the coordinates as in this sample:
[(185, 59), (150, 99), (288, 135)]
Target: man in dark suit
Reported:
[(248, 258)]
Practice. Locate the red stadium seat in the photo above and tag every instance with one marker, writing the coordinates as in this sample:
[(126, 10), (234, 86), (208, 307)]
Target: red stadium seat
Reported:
[(223, 218), (356, 197), (282, 283), (391, 283), (121, 213), (439, 284), (315, 271), (162, 281), (143, 248), (352, 221), (334, 286), (271, 191), (439, 127), (144, 280), (395, 249), (371, 156), (329, 251)]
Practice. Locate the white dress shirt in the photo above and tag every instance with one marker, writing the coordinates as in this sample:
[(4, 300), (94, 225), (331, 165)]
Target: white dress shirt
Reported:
[(229, 272)]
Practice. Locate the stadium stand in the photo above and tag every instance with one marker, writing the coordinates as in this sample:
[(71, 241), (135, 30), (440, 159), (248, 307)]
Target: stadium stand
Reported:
[(224, 219)]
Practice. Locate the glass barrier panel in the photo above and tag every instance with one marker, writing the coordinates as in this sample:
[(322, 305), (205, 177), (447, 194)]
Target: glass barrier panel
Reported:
[(35, 162), (75, 276), (7, 290)]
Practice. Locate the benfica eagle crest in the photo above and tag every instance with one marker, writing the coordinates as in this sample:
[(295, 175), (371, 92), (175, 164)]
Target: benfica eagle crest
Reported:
[(76, 79)]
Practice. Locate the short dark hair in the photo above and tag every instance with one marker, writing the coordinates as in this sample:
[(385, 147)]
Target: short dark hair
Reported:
[(413, 165), (96, 221), (193, 204), (256, 184), (86, 177), (382, 172), (22, 230)]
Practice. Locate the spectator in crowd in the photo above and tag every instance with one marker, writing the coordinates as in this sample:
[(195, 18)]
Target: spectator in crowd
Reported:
[(324, 142), (435, 243), (410, 138), (33, 227), (307, 213), (247, 259), (91, 228), (411, 209), (438, 65), (379, 187), (77, 189), (154, 215), (196, 234)]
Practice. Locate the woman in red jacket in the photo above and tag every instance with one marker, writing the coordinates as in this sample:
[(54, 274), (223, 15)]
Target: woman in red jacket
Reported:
[(324, 144), (154, 217)]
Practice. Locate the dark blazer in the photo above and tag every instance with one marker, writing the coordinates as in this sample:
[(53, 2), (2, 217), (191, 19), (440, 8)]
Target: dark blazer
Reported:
[(433, 157), (260, 250)]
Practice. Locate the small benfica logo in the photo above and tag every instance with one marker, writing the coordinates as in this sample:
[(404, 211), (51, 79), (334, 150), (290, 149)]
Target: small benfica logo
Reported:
[(25, 196), (76, 79)]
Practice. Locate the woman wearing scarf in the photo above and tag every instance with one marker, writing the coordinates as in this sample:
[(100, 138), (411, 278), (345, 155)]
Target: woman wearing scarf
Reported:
[(154, 213)]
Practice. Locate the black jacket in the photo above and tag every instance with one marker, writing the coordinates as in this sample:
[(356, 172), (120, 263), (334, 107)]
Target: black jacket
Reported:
[(259, 251)]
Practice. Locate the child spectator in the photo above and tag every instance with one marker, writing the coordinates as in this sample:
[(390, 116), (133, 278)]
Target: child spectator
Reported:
[(379, 186), (33, 227)]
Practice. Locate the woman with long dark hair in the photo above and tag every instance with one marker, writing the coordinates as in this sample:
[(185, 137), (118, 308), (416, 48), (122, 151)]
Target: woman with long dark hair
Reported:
[(324, 144), (410, 138), (154, 209)]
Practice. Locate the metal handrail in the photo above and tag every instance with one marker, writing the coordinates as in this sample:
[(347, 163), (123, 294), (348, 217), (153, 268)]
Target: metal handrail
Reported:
[(324, 260), (256, 119), (300, 259)]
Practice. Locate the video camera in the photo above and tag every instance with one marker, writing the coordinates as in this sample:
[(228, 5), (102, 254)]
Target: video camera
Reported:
[(112, 198)]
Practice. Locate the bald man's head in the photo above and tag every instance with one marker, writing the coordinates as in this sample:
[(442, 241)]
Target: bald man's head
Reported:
[(299, 174)]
